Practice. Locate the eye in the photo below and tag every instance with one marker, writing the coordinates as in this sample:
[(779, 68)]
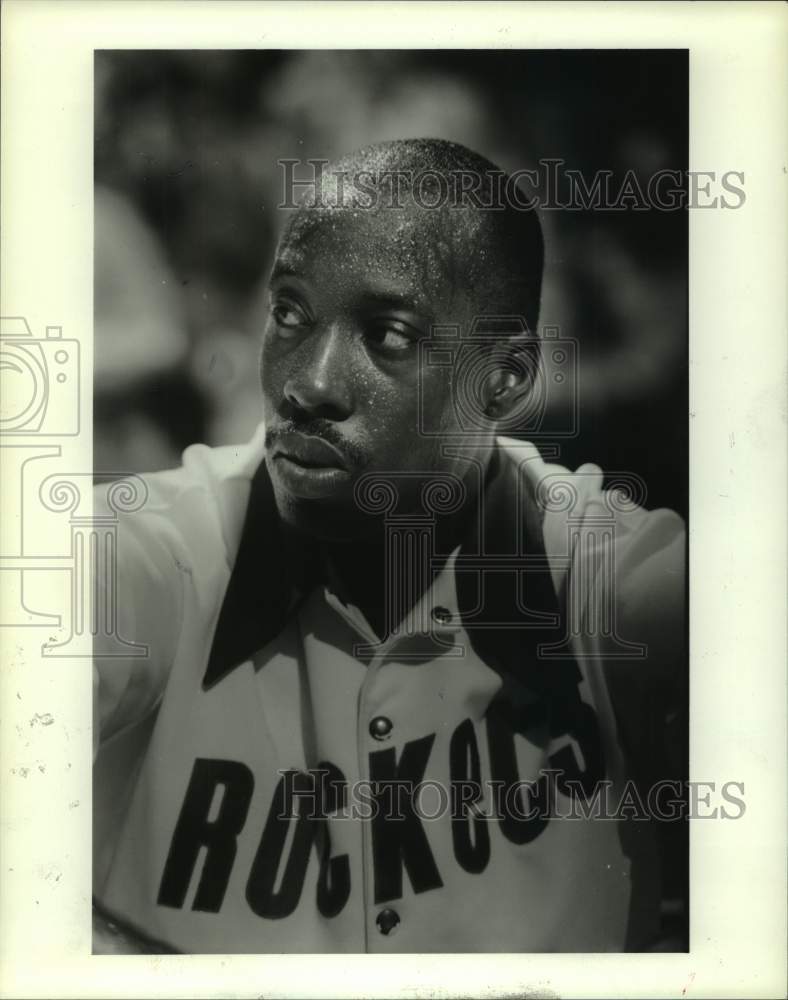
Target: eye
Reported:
[(392, 337), (288, 316)]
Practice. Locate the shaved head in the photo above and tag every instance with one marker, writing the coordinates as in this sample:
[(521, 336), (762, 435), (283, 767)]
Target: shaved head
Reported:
[(457, 217)]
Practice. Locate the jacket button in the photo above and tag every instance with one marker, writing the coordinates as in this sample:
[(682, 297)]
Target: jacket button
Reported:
[(387, 920), (441, 615), (380, 727)]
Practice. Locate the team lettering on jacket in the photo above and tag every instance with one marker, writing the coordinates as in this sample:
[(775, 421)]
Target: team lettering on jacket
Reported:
[(305, 800)]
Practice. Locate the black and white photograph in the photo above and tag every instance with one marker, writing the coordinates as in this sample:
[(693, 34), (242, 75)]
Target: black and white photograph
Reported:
[(392, 453), (394, 346)]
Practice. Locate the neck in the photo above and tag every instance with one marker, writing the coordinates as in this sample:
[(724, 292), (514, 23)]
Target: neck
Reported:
[(396, 567)]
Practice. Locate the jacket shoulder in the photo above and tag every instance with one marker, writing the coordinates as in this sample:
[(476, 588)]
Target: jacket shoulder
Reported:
[(579, 501), (194, 509), (206, 467)]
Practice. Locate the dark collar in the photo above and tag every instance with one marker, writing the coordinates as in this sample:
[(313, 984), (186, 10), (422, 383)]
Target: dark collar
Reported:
[(275, 569)]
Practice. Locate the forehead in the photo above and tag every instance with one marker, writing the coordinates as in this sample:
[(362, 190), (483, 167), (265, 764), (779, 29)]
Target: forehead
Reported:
[(407, 252)]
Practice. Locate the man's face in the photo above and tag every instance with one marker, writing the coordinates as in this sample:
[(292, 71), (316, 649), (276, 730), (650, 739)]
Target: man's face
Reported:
[(352, 294)]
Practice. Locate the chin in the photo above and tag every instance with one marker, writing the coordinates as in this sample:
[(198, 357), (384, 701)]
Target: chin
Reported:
[(323, 520)]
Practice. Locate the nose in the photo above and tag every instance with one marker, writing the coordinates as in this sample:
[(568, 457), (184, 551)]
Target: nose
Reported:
[(319, 383)]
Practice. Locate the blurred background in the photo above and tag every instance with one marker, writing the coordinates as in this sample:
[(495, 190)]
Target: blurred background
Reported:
[(187, 184)]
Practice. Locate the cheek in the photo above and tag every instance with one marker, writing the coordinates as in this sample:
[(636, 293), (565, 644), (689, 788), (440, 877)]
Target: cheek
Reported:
[(408, 420), (269, 371), (437, 400)]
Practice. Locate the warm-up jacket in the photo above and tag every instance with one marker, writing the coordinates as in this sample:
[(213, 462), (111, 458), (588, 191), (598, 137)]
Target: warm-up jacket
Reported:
[(250, 766)]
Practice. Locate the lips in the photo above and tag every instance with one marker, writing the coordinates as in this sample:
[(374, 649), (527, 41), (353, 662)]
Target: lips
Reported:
[(309, 451), (308, 466)]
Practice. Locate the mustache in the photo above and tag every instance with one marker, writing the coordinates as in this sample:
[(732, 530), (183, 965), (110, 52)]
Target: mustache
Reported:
[(316, 427)]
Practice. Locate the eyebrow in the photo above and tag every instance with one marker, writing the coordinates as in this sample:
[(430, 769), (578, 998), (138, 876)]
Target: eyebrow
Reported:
[(282, 270), (387, 299)]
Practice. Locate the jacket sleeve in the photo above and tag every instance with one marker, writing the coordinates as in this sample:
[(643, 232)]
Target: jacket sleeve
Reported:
[(175, 549), (147, 582), (625, 598), (649, 688)]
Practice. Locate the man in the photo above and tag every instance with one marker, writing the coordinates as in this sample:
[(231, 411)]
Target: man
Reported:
[(393, 658)]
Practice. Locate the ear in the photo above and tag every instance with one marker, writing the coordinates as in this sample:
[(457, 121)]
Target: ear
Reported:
[(510, 381)]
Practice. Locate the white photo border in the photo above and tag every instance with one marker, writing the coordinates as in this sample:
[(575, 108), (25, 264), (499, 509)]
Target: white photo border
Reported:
[(738, 110)]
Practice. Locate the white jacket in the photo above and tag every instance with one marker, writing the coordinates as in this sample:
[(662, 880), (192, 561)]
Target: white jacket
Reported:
[(197, 842)]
